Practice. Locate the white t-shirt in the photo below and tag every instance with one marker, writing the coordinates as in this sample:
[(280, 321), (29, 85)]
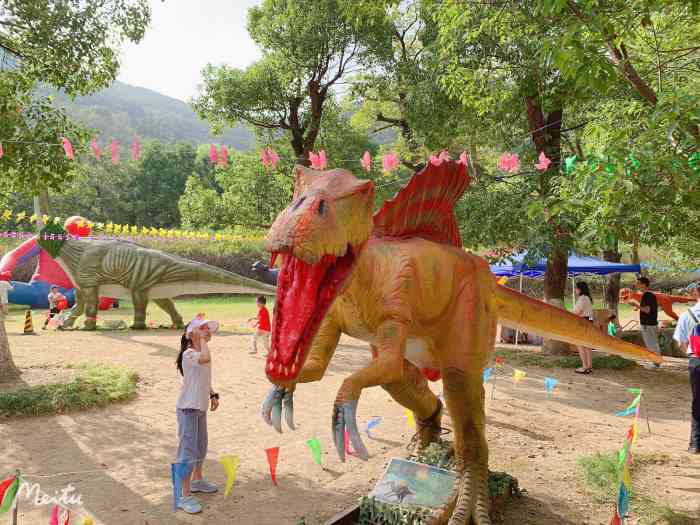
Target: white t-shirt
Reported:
[(685, 326), (196, 384), (584, 307)]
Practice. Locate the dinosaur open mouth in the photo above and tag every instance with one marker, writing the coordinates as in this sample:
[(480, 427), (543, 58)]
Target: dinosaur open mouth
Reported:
[(305, 292)]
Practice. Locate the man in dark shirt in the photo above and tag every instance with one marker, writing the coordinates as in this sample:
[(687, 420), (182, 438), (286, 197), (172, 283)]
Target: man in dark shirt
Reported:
[(648, 317)]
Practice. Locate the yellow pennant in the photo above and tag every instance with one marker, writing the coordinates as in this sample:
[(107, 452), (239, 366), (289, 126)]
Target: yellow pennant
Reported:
[(626, 477), (518, 375), (230, 464), (88, 521), (411, 419)]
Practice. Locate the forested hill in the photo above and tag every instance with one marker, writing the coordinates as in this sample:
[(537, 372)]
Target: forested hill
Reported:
[(123, 111)]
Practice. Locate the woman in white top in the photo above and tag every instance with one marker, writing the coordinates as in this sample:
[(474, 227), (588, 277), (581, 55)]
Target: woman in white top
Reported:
[(584, 308)]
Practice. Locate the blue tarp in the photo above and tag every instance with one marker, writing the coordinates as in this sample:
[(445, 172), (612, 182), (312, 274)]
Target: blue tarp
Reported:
[(578, 264)]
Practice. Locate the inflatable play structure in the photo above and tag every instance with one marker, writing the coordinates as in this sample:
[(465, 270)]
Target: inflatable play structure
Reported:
[(122, 269), (48, 272), (400, 280)]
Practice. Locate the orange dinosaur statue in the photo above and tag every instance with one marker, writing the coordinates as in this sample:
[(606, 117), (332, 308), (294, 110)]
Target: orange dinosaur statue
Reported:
[(665, 301), (401, 281)]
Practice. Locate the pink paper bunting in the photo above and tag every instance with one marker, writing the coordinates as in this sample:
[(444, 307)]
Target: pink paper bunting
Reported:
[(269, 158), (95, 148), (390, 162), (212, 153), (223, 157), (437, 160), (318, 160), (135, 149), (114, 146), (509, 163), (2, 152), (543, 163), (366, 162), (54, 515), (464, 158), (68, 148)]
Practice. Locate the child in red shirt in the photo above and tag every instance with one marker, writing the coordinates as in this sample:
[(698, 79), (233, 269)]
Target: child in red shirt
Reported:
[(262, 324)]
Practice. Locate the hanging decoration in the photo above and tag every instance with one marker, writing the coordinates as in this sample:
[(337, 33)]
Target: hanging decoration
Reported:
[(410, 417), (625, 459), (464, 158), (366, 162), (543, 162), (269, 158), (2, 151), (223, 158), (318, 160), (54, 515), (68, 148), (135, 149), (114, 146), (8, 491), (212, 154), (510, 163), (315, 446), (570, 164), (96, 151), (390, 162), (437, 160)]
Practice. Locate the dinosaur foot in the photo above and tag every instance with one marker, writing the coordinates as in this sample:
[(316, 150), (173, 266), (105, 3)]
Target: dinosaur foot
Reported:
[(469, 502), (277, 399), (429, 430), (138, 326), (345, 420)]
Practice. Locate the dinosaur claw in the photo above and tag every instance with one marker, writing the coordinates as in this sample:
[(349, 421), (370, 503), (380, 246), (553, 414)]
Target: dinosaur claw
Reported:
[(288, 401), (272, 407), (338, 430), (345, 420)]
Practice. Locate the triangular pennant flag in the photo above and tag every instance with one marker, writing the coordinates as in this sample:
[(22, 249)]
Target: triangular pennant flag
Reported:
[(67, 520), (518, 375), (223, 158), (346, 443), (500, 361), (88, 521), (272, 457), (390, 162), (366, 162), (549, 384), (622, 455), (178, 471), (95, 148), (230, 464), (54, 515), (9, 494), (543, 162), (623, 501), (464, 158), (372, 423), (2, 152), (114, 146), (4, 485), (318, 160), (634, 391), (626, 477), (409, 416), (213, 156), (315, 446), (135, 149), (616, 519), (68, 148), (631, 409), (570, 163), (487, 374)]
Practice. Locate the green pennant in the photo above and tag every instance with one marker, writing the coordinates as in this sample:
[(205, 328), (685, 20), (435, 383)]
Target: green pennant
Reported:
[(622, 455), (315, 446), (9, 496), (570, 163), (636, 391), (52, 246), (694, 161)]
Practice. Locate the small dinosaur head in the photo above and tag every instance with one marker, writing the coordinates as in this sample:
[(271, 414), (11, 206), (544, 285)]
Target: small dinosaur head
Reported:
[(318, 237), (625, 295)]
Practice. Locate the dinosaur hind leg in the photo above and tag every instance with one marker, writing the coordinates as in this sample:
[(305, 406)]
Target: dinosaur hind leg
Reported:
[(168, 306), (90, 296), (77, 309), (140, 300), (413, 393)]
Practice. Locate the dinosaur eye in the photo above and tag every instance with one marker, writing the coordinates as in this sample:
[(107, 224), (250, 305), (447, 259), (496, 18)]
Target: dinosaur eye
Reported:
[(321, 207), (298, 203)]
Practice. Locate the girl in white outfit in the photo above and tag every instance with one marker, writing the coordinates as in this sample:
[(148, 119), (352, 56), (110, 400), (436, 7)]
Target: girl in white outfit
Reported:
[(584, 308)]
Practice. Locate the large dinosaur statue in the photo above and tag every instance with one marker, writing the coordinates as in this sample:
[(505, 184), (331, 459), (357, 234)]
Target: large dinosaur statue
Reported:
[(122, 269), (665, 301), (402, 282)]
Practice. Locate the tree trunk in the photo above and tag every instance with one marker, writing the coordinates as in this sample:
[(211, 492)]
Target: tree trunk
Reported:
[(8, 369), (612, 284), (554, 289), (41, 207)]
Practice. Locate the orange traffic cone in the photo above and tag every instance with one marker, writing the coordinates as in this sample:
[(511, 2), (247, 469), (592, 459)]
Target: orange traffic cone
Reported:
[(28, 325)]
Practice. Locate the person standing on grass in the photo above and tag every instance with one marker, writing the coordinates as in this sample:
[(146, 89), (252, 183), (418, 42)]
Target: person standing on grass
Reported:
[(687, 337), (648, 317), (196, 397), (261, 323), (584, 308)]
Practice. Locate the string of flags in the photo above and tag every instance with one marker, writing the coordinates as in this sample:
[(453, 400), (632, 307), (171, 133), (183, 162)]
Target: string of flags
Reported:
[(625, 459)]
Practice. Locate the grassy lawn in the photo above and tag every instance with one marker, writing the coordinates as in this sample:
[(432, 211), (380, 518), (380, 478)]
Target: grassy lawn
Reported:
[(94, 385), (526, 358)]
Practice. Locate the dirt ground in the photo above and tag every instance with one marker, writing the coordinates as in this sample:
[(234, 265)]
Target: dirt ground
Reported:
[(119, 458)]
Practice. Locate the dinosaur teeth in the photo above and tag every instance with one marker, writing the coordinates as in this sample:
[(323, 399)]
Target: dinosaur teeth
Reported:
[(294, 368), (279, 368), (286, 371), (269, 366)]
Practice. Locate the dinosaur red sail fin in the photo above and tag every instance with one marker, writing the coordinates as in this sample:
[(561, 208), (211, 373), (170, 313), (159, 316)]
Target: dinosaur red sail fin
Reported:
[(425, 206)]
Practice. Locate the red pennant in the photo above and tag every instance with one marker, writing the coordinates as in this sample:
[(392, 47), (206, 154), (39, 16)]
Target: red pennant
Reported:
[(54, 515), (68, 148), (616, 519), (95, 149), (115, 152), (135, 149), (212, 154), (4, 486), (223, 158), (272, 455), (346, 440)]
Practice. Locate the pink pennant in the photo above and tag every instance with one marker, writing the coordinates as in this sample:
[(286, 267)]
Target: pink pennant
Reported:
[(464, 158), (212, 154), (543, 163), (114, 146), (54, 515), (346, 444), (318, 160), (2, 152), (366, 162), (269, 158), (390, 162), (135, 149), (95, 148), (437, 160), (68, 148), (223, 157), (509, 163)]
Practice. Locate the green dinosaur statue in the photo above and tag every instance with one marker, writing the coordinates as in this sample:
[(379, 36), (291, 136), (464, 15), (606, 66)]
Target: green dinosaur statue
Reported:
[(116, 268), (401, 281)]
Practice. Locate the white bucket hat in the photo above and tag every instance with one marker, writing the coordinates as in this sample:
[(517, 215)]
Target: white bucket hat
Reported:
[(197, 322)]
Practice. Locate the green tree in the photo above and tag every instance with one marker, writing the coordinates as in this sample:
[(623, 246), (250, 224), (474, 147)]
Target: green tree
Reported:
[(309, 47)]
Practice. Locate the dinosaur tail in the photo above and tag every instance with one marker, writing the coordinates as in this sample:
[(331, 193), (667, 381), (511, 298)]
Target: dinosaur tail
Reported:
[(519, 311)]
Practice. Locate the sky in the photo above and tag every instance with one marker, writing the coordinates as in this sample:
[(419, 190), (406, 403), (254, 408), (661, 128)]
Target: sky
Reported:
[(184, 36)]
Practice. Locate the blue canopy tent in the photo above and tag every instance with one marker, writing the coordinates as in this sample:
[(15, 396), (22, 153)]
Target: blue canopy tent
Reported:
[(515, 266)]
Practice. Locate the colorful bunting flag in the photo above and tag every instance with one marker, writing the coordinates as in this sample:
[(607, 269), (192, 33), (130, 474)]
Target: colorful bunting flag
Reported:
[(223, 158), (68, 148), (570, 163), (346, 443), (464, 158), (8, 491), (96, 151), (623, 501), (632, 408), (318, 160), (509, 162), (487, 374), (315, 446), (114, 146), (616, 519), (437, 160), (88, 521), (230, 464), (549, 384), (212, 153), (543, 162), (272, 457), (2, 151), (390, 162), (67, 520), (178, 472), (518, 375), (500, 361), (693, 160), (135, 149), (269, 158), (410, 417), (366, 162), (54, 515), (372, 423)]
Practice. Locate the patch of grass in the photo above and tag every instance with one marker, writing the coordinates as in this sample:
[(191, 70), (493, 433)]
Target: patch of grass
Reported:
[(530, 358), (94, 385), (599, 473)]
